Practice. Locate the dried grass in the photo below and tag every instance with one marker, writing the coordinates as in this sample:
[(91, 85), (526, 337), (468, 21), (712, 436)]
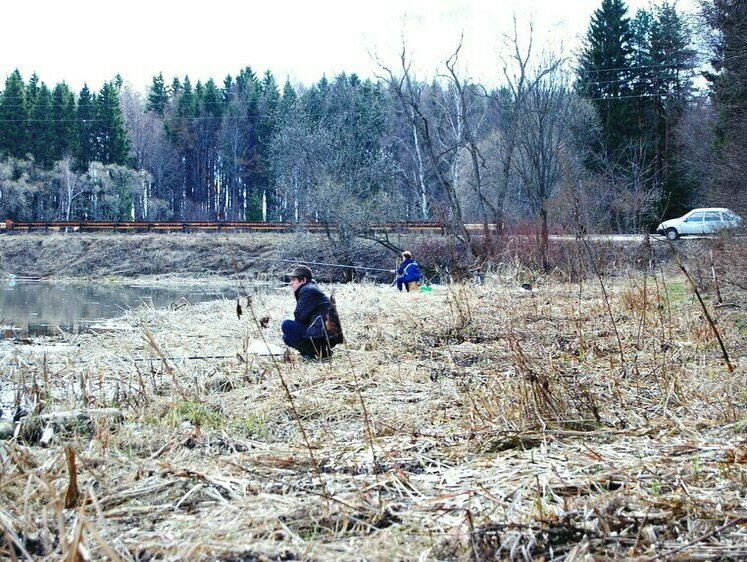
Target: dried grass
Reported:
[(468, 423)]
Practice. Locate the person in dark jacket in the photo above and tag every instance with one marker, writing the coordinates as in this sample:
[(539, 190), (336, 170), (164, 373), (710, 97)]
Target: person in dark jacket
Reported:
[(407, 271), (315, 328)]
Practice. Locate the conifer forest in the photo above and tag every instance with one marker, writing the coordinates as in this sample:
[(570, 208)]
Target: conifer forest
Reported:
[(645, 121)]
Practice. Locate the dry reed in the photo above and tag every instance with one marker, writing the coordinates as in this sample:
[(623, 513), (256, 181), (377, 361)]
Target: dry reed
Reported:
[(473, 422)]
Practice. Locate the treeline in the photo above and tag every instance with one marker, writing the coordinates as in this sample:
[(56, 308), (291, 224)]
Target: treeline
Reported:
[(611, 140)]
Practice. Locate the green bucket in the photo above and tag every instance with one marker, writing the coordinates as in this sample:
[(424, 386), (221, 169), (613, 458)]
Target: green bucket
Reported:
[(426, 288)]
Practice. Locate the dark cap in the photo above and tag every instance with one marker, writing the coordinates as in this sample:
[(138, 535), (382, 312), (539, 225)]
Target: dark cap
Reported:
[(300, 272)]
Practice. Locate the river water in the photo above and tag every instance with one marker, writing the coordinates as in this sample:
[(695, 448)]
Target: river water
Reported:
[(31, 308)]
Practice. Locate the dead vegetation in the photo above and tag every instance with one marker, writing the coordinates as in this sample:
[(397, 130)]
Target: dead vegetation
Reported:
[(473, 422)]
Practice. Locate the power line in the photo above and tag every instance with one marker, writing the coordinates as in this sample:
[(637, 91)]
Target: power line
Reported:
[(208, 118), (630, 80), (674, 66), (615, 98)]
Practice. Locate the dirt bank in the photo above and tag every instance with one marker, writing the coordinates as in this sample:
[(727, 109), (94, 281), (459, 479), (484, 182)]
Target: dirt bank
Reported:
[(265, 256), (208, 254)]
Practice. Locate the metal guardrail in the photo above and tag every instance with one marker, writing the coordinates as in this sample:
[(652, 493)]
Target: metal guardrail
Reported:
[(194, 226)]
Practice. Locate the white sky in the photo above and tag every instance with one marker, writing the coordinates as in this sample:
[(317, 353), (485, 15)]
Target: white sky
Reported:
[(89, 41)]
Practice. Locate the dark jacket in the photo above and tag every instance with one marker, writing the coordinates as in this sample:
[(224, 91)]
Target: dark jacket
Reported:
[(312, 309), (409, 270)]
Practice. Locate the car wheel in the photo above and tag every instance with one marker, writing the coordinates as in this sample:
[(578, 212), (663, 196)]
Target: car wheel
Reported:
[(672, 233)]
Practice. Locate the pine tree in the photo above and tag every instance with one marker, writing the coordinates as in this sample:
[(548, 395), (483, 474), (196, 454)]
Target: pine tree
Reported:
[(13, 117), (673, 61), (728, 82), (158, 96), (266, 127), (644, 77), (238, 140), (40, 131), (113, 146), (87, 132), (728, 87), (186, 105), (176, 88), (206, 129), (64, 121), (288, 99), (604, 73), (32, 90), (179, 129), (662, 70)]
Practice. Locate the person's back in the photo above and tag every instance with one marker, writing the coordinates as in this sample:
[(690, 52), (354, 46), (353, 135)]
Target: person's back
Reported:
[(408, 271), (312, 307), (316, 327)]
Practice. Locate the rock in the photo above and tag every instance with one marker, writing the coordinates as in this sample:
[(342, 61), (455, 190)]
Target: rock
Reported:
[(220, 384), (6, 430), (42, 429)]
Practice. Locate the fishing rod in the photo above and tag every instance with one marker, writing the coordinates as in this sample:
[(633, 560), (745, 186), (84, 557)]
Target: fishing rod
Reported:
[(333, 265)]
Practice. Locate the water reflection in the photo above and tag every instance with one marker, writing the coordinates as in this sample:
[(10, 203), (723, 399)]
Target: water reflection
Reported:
[(38, 308)]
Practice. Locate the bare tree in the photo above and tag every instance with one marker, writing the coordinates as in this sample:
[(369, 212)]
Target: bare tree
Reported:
[(543, 142), (409, 93), (18, 189), (520, 82), (330, 167), (70, 186), (469, 117), (152, 151)]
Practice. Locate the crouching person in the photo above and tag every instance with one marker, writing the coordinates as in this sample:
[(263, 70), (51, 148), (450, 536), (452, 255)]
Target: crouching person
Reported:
[(316, 328), (407, 272)]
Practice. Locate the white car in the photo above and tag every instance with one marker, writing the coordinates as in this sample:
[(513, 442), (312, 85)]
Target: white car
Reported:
[(700, 221)]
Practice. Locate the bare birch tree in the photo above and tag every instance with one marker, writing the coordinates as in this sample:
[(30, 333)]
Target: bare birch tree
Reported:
[(439, 154), (70, 186)]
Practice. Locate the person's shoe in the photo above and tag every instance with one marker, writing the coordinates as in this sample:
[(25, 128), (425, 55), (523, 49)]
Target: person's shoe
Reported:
[(325, 353)]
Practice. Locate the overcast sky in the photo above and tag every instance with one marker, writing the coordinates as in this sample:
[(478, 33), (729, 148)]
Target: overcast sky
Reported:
[(89, 41)]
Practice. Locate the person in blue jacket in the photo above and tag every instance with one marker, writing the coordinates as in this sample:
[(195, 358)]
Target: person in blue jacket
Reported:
[(407, 271), (315, 328)]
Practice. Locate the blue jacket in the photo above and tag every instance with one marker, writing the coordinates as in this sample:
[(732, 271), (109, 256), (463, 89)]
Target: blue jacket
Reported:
[(409, 270), (312, 309)]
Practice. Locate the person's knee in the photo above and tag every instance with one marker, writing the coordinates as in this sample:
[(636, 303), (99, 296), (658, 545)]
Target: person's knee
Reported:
[(292, 332)]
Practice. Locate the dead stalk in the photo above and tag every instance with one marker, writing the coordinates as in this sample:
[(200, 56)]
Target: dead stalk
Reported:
[(292, 404), (606, 302), (73, 494), (703, 306), (151, 340)]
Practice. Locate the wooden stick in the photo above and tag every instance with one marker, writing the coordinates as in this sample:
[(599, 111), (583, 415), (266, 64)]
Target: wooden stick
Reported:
[(73, 494)]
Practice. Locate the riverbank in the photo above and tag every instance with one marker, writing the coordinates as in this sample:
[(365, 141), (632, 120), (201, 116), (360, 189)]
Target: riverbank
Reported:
[(265, 256), (472, 422), (255, 255)]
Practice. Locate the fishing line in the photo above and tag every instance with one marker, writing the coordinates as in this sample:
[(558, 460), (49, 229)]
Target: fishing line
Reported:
[(331, 264), (118, 359)]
